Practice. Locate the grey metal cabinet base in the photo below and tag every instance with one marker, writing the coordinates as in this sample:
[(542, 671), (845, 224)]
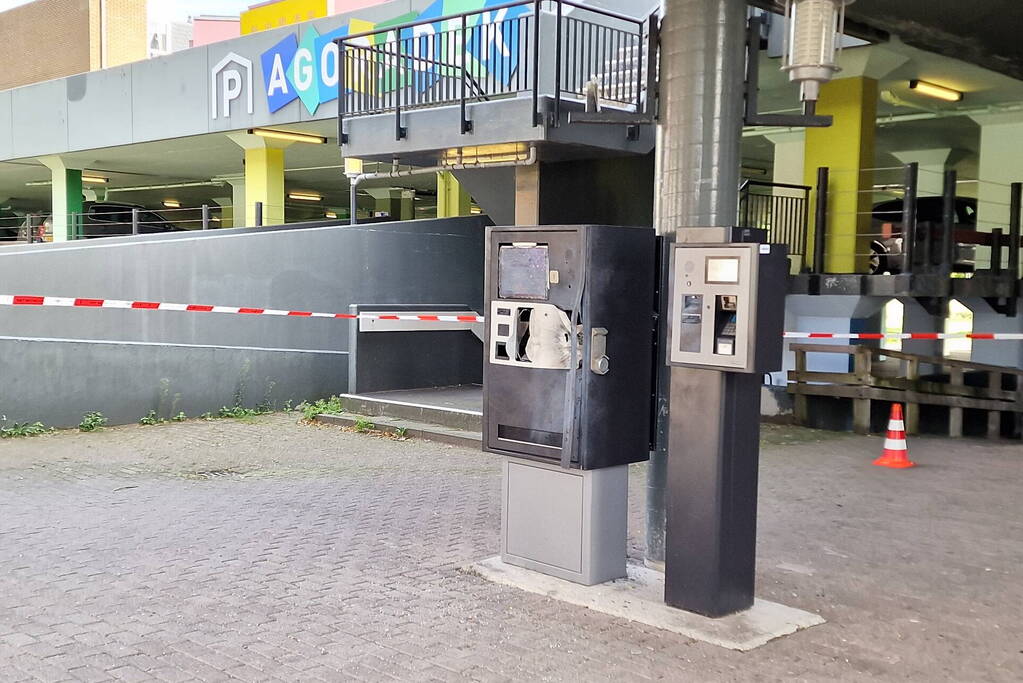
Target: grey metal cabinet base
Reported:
[(571, 524)]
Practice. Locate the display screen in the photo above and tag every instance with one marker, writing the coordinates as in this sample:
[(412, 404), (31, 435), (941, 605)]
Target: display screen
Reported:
[(723, 270), (523, 272)]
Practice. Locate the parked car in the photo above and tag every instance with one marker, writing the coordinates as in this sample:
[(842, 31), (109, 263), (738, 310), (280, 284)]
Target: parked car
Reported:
[(886, 248), (111, 219)]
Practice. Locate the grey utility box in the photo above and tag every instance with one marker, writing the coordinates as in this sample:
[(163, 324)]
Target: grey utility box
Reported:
[(567, 523)]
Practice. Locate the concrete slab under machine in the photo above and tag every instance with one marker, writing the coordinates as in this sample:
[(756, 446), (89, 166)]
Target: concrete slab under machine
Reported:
[(639, 597)]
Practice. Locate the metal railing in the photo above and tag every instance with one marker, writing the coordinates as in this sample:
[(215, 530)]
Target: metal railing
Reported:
[(914, 232), (779, 208), (500, 51)]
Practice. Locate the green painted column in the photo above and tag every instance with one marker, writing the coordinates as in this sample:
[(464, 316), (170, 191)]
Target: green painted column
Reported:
[(452, 199), (65, 198)]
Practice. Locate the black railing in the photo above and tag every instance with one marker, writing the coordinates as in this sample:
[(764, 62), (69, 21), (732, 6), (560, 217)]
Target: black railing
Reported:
[(493, 53), (779, 208)]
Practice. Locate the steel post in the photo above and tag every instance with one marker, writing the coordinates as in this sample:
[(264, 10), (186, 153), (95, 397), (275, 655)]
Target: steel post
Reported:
[(1015, 201), (701, 91), (912, 172), (820, 224), (948, 221)]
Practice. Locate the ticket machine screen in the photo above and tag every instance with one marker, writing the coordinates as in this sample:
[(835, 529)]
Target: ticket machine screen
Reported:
[(523, 271)]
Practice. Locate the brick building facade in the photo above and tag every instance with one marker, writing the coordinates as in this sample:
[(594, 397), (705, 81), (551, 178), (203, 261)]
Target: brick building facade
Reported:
[(48, 39)]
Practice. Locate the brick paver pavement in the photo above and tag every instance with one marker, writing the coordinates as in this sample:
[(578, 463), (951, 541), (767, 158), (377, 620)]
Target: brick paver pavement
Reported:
[(269, 550)]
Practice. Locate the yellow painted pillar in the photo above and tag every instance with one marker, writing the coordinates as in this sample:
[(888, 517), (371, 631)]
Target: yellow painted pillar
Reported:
[(847, 148), (452, 199), (264, 182)]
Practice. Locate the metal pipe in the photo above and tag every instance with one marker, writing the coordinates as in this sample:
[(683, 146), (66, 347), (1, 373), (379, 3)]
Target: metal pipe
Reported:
[(356, 180), (259, 214), (557, 66), (912, 173), (205, 216), (134, 221), (820, 224), (701, 90), (536, 63)]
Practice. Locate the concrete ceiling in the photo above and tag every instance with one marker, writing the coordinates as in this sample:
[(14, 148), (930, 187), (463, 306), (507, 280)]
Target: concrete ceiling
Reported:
[(984, 32)]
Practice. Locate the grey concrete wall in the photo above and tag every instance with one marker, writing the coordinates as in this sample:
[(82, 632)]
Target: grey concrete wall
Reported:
[(318, 268)]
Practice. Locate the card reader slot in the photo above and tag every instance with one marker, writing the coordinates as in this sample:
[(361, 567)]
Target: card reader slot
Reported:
[(536, 437)]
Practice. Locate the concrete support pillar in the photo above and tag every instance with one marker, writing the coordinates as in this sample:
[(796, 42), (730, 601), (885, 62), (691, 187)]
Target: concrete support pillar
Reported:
[(915, 318), (264, 182), (527, 195), (847, 148), (65, 197), (452, 199), (986, 319), (264, 177), (396, 203), (933, 164), (226, 205), (789, 156), (1001, 163)]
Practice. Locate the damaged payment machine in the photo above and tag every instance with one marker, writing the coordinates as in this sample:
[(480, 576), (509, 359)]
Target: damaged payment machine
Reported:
[(567, 384)]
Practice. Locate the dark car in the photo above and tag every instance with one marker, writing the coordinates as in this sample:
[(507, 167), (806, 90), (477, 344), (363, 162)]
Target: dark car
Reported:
[(110, 219), (886, 248)]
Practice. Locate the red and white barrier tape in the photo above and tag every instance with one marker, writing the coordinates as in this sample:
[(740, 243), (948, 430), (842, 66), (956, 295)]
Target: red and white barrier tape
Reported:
[(67, 302), (921, 336)]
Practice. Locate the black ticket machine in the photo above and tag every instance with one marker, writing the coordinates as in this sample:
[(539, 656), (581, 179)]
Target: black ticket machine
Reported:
[(567, 383)]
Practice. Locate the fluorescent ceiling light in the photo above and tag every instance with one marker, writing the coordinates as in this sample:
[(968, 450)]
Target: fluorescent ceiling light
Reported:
[(95, 179), (172, 203), (938, 91), (288, 135), (330, 214), (305, 196)]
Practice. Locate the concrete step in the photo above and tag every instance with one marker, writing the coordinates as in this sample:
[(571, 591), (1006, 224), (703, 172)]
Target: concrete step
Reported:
[(453, 418), (413, 429)]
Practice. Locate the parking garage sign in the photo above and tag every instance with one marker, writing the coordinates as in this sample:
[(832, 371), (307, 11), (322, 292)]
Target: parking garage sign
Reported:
[(304, 65)]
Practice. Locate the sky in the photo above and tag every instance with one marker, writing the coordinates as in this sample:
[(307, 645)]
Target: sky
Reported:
[(166, 10)]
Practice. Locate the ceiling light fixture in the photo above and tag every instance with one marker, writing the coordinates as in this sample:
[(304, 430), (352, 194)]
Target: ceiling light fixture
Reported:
[(288, 135), (305, 196), (330, 214), (171, 204), (95, 179), (937, 91)]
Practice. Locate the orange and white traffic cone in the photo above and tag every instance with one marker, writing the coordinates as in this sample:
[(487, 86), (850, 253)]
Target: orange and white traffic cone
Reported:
[(896, 453)]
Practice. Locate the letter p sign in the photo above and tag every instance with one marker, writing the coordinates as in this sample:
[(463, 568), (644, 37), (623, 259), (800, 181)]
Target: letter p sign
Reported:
[(231, 76)]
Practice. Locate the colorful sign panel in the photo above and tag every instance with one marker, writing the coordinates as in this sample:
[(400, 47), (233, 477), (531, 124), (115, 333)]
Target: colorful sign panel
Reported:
[(306, 67)]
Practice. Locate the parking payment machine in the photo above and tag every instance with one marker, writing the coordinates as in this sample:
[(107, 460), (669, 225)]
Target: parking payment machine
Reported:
[(726, 310), (567, 384)]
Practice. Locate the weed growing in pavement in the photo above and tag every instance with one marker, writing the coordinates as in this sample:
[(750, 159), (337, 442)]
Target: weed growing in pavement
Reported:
[(331, 406), (180, 417), (362, 426), (150, 419), (238, 412), (23, 429), (401, 432), (92, 422)]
